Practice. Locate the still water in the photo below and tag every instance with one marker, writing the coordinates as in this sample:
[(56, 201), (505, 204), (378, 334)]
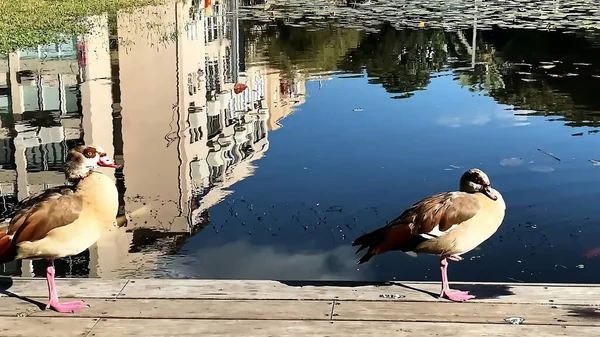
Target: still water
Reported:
[(336, 133)]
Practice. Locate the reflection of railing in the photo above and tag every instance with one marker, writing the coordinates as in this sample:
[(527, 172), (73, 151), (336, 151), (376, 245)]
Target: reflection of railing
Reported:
[(227, 66), (211, 29), (212, 78), (53, 51), (46, 157)]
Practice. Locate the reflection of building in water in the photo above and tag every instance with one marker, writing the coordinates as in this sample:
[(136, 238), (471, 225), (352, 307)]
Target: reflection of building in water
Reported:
[(204, 135), (283, 96), (182, 133)]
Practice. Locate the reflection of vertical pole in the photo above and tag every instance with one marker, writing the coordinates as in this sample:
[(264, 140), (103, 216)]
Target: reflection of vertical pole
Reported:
[(40, 92), (235, 41), (474, 43), (62, 96)]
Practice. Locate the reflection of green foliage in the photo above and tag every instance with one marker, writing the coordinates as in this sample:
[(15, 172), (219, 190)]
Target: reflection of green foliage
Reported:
[(573, 97), (28, 23), (401, 60), (487, 74), (319, 49)]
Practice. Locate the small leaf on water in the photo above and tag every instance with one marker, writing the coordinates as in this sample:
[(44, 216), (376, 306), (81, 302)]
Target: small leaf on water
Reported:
[(421, 24), (547, 66), (580, 266)]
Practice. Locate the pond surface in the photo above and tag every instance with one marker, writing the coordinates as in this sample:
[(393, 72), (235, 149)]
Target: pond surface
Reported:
[(338, 131)]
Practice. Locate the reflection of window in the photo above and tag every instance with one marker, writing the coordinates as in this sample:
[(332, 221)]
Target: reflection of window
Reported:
[(213, 126), (192, 26), (229, 159), (212, 76), (227, 27), (259, 131), (246, 149), (215, 174), (7, 154), (195, 134), (211, 28), (228, 117), (227, 68), (192, 83)]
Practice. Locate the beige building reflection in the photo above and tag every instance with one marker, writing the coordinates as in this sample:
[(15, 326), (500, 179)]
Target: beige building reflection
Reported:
[(169, 115)]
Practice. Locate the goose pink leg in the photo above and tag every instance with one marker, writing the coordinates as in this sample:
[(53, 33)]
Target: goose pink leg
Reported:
[(453, 295), (53, 301)]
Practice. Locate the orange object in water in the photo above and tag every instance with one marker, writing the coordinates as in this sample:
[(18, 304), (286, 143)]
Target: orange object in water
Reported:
[(207, 3), (239, 87)]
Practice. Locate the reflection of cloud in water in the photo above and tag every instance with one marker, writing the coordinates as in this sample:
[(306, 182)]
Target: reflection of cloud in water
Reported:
[(455, 122), (542, 169), (241, 260), (499, 114), (513, 161)]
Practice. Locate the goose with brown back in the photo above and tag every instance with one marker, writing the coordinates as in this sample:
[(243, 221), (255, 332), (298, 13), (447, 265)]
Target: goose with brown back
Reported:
[(64, 220), (448, 224)]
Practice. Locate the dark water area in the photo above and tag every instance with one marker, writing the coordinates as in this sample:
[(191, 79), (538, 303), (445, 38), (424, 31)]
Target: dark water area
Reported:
[(338, 132)]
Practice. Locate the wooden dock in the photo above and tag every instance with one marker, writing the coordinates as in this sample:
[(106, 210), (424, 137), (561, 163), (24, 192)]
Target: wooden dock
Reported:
[(168, 307)]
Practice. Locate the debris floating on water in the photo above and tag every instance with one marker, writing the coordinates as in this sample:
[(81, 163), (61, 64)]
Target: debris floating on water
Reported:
[(549, 154)]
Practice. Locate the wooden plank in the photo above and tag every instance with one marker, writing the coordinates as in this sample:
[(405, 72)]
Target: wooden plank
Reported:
[(66, 287), (45, 327), (198, 309), (240, 289), (465, 313), (252, 328)]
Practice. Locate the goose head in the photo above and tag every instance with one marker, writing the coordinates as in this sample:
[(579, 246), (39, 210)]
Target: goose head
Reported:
[(475, 180), (82, 160)]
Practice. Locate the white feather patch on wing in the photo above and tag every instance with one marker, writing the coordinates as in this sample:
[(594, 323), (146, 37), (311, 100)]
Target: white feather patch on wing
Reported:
[(411, 254), (435, 232)]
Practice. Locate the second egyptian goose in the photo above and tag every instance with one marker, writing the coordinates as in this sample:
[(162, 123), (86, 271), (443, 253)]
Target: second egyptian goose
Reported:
[(448, 224), (63, 220)]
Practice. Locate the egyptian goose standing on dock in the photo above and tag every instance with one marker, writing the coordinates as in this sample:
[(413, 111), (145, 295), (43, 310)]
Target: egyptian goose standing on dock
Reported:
[(448, 224), (64, 220)]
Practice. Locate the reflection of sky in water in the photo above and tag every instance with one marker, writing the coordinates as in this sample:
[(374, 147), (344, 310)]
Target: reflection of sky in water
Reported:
[(340, 172)]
